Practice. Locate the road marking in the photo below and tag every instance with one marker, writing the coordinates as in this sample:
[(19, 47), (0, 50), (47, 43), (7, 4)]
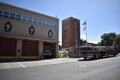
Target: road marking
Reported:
[(21, 65)]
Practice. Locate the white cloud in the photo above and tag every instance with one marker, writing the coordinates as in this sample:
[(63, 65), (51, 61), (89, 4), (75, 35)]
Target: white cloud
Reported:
[(60, 43), (83, 37), (91, 41)]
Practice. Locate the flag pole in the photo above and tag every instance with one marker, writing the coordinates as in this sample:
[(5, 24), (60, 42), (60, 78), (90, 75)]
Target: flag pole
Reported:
[(86, 34), (85, 28)]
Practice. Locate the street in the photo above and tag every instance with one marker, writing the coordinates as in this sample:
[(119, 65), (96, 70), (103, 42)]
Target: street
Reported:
[(100, 69)]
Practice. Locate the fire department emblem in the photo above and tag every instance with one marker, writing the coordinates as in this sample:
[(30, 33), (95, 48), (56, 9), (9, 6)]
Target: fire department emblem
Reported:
[(31, 30), (50, 34), (7, 26)]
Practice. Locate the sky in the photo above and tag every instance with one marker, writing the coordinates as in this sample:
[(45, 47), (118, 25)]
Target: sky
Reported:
[(102, 16)]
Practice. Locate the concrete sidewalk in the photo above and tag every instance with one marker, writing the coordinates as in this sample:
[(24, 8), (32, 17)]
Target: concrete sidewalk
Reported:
[(26, 64)]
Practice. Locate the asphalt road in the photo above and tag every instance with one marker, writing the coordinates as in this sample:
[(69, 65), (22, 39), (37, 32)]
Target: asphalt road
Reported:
[(101, 69)]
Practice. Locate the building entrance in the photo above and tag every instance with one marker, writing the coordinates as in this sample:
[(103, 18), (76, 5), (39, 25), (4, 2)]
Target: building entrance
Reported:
[(49, 50)]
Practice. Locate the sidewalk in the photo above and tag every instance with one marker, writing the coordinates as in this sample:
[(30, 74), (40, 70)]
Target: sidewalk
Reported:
[(26, 64)]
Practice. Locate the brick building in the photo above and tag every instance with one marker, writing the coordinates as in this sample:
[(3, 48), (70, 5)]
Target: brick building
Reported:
[(70, 32), (27, 34)]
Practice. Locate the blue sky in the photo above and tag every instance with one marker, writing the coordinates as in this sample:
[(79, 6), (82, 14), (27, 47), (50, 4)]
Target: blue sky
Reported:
[(102, 16)]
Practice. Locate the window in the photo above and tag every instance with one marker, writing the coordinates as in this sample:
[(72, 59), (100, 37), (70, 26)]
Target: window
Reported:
[(51, 25), (24, 18), (43, 23), (34, 21), (47, 23), (54, 25), (1, 12), (29, 19), (39, 22), (18, 17), (6, 14), (12, 15)]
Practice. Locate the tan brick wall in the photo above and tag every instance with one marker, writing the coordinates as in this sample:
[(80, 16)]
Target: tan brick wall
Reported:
[(21, 29)]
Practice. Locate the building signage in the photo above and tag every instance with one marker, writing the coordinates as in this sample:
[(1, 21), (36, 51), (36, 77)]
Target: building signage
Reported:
[(31, 30), (50, 34), (7, 26)]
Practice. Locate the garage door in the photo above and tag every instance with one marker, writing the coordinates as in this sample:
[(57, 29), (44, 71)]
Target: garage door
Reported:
[(7, 47), (29, 48)]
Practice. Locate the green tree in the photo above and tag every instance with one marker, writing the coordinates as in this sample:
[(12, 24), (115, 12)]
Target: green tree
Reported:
[(82, 42), (117, 40), (72, 50), (107, 39), (60, 47)]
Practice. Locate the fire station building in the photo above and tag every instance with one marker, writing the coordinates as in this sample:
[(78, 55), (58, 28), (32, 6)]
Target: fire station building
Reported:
[(26, 34)]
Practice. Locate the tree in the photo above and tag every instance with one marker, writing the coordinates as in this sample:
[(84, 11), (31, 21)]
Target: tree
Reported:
[(60, 47), (72, 50), (117, 40), (107, 39), (82, 42)]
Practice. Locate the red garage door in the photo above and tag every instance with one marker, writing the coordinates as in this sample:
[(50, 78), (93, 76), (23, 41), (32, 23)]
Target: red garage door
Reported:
[(29, 48), (7, 47)]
